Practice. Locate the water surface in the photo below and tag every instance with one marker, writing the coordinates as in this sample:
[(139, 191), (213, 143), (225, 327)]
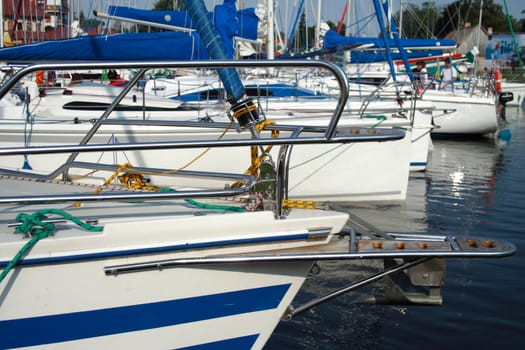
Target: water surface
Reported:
[(471, 188)]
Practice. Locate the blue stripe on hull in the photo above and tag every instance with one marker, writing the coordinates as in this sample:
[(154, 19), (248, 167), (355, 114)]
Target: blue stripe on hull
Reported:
[(81, 325), (163, 249)]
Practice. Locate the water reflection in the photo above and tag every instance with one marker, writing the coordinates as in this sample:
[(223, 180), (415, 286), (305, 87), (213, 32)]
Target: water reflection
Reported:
[(461, 179), (450, 197), (458, 185)]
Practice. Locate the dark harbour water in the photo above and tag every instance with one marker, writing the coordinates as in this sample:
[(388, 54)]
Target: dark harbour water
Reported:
[(472, 187)]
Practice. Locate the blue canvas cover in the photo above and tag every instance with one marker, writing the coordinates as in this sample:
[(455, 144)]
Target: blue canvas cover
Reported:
[(143, 46), (227, 25), (121, 47), (332, 39), (371, 57), (246, 22), (168, 17)]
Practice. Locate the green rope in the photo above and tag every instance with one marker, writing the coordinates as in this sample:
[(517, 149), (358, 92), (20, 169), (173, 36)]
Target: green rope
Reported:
[(215, 206), (381, 119), (208, 206), (34, 226), (29, 221)]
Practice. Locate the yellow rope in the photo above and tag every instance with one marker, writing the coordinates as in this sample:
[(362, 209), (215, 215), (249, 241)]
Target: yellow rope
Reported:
[(136, 181), (152, 172), (112, 177), (300, 204), (129, 180), (254, 152), (244, 110)]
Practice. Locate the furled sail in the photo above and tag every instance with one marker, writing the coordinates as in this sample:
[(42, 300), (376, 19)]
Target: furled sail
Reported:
[(121, 47), (151, 46)]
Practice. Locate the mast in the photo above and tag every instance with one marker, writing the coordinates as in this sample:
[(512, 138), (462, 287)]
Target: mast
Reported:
[(270, 44), (2, 24), (395, 35), (400, 18), (384, 34), (318, 25), (71, 18), (479, 22), (479, 33), (346, 54)]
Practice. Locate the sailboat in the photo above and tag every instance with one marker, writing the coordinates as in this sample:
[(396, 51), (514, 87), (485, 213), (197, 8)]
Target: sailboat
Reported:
[(281, 95), (472, 107), (134, 265), (363, 179), (125, 266)]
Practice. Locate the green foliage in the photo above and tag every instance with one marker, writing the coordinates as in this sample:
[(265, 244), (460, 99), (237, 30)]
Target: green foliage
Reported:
[(521, 25), (427, 20), (169, 5), (419, 21), (91, 22)]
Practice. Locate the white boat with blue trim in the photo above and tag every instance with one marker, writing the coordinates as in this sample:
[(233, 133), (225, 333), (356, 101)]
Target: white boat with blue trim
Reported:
[(72, 290), (120, 266), (320, 172)]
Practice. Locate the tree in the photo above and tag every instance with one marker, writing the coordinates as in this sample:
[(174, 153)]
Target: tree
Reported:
[(455, 15), (418, 22), (169, 5)]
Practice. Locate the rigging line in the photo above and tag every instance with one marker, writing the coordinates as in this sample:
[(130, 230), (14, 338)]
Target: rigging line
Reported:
[(348, 146), (368, 19), (419, 21), (316, 157), (190, 162), (294, 25), (449, 16)]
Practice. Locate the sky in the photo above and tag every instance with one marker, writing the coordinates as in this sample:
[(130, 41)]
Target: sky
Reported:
[(330, 9)]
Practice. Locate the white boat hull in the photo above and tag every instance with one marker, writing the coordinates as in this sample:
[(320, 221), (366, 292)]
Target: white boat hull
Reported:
[(235, 305), (460, 114), (344, 172)]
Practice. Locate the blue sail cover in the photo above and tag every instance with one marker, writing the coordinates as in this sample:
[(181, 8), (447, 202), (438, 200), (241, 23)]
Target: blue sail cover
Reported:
[(143, 46), (122, 47), (243, 23), (168, 17), (227, 26), (332, 39), (371, 57)]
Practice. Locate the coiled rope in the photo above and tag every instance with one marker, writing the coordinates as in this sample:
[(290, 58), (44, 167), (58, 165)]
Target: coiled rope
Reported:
[(35, 226), (136, 181)]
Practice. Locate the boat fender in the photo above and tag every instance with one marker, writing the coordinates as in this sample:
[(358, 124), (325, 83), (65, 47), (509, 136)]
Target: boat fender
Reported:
[(497, 80), (39, 78)]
